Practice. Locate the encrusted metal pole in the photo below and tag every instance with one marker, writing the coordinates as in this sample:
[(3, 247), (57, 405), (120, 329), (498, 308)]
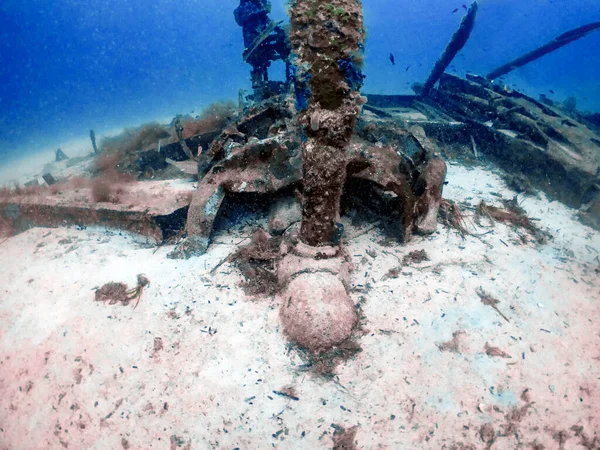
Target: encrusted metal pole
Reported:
[(327, 40), (458, 41), (555, 44)]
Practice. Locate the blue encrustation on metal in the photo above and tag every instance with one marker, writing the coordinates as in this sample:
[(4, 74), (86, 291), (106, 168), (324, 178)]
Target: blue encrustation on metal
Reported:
[(353, 74), (301, 87)]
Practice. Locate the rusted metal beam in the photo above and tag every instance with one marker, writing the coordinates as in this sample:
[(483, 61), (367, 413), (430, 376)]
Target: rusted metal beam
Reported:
[(555, 44), (458, 41)]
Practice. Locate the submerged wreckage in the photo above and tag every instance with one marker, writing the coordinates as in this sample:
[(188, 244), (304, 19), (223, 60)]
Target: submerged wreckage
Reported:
[(312, 147)]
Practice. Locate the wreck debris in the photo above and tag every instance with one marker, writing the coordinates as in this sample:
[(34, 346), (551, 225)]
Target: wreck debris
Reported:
[(556, 43), (252, 166), (393, 273), (495, 351), (179, 131), (93, 139), (488, 300), (34, 182), (264, 41), (344, 438), (248, 52), (257, 261), (452, 345), (325, 363), (513, 214), (60, 156), (6, 229), (520, 134), (428, 189), (123, 207), (49, 179), (415, 256), (590, 211), (150, 150), (458, 41), (520, 184), (453, 217), (260, 153), (400, 182)]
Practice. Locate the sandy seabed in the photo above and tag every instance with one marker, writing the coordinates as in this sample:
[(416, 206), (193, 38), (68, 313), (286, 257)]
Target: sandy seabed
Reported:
[(199, 365)]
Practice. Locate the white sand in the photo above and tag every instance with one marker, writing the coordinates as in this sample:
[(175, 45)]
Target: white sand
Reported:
[(67, 362)]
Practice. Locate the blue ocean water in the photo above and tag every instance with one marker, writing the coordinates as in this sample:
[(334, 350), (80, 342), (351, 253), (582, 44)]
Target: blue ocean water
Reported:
[(67, 66)]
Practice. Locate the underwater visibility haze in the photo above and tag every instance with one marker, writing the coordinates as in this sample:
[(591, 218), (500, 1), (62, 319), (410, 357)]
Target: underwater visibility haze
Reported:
[(70, 66), (342, 224)]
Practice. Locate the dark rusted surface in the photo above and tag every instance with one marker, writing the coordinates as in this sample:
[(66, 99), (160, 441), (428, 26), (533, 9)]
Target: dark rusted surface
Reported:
[(264, 166)]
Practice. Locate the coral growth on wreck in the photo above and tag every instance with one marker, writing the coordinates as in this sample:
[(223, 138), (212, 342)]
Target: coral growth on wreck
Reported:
[(327, 39)]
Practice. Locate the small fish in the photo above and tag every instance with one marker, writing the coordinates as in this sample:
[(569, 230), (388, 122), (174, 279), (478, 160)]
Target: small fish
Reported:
[(407, 67), (465, 7), (392, 59), (551, 91), (455, 10)]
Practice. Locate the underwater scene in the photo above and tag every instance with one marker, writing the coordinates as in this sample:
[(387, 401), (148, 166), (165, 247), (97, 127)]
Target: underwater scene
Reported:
[(299, 224)]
